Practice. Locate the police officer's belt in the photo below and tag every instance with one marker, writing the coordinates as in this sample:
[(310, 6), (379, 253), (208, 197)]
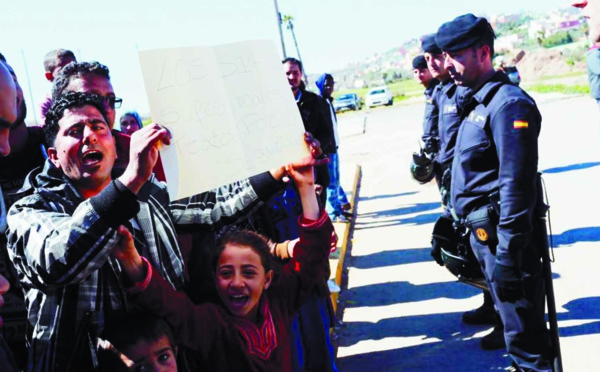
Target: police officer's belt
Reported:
[(483, 223)]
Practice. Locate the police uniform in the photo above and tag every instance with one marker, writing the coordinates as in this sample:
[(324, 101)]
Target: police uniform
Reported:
[(449, 99), (446, 102), (430, 119), (419, 62), (494, 190)]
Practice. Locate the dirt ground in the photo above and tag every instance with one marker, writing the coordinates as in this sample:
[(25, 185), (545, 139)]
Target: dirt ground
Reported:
[(543, 63)]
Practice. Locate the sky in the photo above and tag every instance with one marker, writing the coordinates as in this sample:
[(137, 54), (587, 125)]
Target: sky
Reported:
[(330, 33)]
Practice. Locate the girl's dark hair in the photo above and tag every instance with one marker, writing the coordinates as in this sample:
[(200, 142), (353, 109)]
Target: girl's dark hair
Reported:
[(246, 238)]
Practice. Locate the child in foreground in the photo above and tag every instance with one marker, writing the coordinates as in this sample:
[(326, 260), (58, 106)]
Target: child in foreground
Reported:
[(249, 329), (137, 342)]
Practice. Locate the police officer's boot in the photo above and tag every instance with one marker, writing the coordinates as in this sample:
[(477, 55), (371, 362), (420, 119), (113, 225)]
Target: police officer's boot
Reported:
[(485, 314), (494, 340)]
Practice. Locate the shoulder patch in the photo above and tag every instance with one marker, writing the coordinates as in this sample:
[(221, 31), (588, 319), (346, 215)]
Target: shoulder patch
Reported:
[(520, 124)]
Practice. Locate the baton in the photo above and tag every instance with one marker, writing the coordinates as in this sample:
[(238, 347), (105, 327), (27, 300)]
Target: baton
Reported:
[(552, 318)]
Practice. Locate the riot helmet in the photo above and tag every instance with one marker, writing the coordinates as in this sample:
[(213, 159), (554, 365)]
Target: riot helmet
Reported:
[(421, 168), (456, 252)]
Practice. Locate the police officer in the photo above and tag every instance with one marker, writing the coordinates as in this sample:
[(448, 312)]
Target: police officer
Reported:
[(447, 102), (430, 120), (423, 76), (494, 178)]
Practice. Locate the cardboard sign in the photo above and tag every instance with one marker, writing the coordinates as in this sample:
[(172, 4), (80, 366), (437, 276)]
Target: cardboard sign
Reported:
[(230, 110)]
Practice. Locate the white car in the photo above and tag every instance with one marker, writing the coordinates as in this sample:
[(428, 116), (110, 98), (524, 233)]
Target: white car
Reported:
[(379, 96)]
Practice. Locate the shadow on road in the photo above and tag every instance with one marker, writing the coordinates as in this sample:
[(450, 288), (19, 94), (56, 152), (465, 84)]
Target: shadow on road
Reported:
[(383, 294), (386, 196), (413, 208), (393, 217), (587, 308), (417, 220), (391, 258), (571, 167), (444, 348), (583, 234)]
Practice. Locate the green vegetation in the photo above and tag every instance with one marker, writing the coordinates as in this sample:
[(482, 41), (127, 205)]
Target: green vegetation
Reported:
[(559, 38), (568, 75), (559, 88)]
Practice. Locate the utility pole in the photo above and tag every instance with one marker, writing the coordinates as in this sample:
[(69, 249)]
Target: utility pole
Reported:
[(29, 86), (290, 26), (279, 22)]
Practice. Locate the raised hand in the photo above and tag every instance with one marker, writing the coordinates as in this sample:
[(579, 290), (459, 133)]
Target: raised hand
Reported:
[(314, 149), (143, 154), (304, 178), (128, 257)]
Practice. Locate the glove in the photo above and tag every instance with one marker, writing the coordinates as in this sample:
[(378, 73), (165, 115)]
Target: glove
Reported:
[(436, 249), (508, 279), (431, 147)]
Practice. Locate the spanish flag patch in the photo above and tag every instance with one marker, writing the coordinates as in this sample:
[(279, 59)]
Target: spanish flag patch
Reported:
[(519, 124)]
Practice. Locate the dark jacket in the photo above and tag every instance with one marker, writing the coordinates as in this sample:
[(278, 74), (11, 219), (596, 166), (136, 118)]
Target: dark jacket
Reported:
[(60, 245), (227, 343), (497, 151), (430, 118), (316, 119)]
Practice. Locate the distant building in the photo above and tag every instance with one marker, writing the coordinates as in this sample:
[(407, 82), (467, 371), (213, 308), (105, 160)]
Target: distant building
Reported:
[(506, 43), (569, 25)]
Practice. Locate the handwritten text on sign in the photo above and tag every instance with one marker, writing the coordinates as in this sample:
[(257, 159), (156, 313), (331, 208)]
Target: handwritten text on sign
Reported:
[(230, 110)]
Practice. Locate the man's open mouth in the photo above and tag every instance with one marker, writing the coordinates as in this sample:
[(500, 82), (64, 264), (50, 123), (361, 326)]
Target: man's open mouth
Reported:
[(91, 157)]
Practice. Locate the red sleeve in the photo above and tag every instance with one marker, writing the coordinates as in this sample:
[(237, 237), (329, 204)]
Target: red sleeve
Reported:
[(159, 171), (192, 324), (306, 269)]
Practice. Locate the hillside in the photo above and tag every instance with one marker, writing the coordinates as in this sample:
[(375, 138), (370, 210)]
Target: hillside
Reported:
[(554, 46)]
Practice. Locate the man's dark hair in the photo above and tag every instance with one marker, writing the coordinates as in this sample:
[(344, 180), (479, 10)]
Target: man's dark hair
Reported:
[(2, 58), (487, 38), (125, 332), (76, 70), (66, 101), (294, 61), (52, 57)]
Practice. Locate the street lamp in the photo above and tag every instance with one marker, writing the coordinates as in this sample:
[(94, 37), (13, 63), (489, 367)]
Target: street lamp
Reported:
[(290, 26), (279, 22)]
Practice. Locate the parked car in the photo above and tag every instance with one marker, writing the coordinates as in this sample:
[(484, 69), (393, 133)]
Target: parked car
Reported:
[(348, 101), (379, 96)]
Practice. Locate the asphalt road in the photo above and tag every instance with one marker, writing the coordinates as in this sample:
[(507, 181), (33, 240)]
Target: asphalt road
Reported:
[(401, 310)]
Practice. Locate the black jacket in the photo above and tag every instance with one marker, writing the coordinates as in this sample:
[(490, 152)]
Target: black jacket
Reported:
[(317, 119)]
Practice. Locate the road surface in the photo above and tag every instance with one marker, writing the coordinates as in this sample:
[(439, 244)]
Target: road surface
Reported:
[(401, 311)]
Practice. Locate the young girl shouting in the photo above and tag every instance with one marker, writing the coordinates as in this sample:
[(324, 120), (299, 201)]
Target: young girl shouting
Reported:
[(249, 329)]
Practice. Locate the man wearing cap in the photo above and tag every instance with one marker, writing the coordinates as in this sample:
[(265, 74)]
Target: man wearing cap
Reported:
[(495, 186), (423, 76), (447, 100)]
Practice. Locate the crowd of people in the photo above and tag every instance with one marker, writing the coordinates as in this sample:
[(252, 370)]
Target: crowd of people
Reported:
[(92, 243), (106, 273)]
